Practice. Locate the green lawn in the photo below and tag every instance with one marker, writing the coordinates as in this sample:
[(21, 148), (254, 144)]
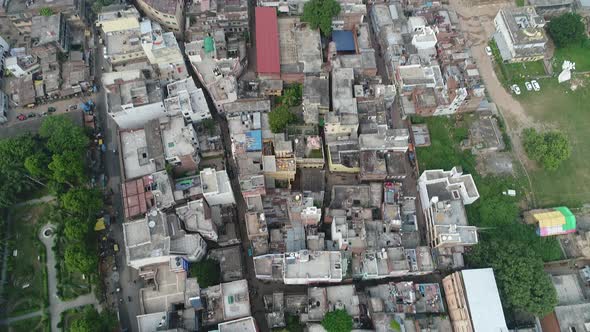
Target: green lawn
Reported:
[(26, 290), (510, 73), (32, 324), (578, 54), (71, 284), (558, 106)]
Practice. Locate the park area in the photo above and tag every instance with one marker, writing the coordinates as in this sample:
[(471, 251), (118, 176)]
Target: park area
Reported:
[(39, 323), (26, 287)]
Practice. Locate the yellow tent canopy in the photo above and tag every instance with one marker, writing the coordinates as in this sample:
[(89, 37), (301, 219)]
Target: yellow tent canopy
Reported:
[(550, 219), (100, 225)]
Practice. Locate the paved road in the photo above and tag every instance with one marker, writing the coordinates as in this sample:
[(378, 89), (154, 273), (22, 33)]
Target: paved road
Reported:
[(57, 306), (11, 320)]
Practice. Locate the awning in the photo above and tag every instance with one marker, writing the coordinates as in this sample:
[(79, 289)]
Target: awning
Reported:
[(99, 226)]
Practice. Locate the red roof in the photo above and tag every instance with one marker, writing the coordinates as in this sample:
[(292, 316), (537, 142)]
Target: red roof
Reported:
[(267, 41)]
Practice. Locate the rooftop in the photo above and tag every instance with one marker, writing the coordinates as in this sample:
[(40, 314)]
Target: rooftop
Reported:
[(344, 40), (239, 325), (267, 41), (230, 262), (47, 29), (300, 47), (179, 139), (343, 100), (226, 301), (482, 295), (316, 90), (196, 216), (164, 6), (524, 25), (308, 266), (140, 195), (184, 97), (391, 139), (169, 288)]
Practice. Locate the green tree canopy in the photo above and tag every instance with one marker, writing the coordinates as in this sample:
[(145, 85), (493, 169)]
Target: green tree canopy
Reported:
[(78, 257), (206, 271), (549, 149), (36, 165), (76, 229), (82, 201), (68, 167), (13, 174), (46, 11), (92, 321), (292, 96), (567, 29), (337, 321), (522, 282), (279, 118), (63, 135), (319, 14)]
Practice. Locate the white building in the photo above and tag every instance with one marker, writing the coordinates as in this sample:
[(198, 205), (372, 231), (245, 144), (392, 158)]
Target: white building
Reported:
[(459, 185), (196, 216), (520, 34), (162, 51), (216, 187), (186, 98), (423, 36), (157, 239), (132, 100), (4, 49), (300, 268), (180, 143), (247, 324)]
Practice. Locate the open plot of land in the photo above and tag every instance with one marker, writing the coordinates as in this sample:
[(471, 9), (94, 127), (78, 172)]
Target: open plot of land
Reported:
[(557, 106), (578, 54), (26, 289)]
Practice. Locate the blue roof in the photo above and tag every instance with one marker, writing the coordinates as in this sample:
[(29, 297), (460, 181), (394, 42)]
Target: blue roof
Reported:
[(254, 140), (344, 40)]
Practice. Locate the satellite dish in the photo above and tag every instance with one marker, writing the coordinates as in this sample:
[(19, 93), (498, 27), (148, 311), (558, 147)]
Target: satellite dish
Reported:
[(151, 224)]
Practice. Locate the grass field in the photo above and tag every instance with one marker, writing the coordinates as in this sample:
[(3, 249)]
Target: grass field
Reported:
[(26, 290), (558, 106), (578, 54), (510, 73), (40, 324)]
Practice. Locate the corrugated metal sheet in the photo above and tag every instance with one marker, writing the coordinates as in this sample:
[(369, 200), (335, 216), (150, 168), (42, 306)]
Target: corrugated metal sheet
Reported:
[(267, 41)]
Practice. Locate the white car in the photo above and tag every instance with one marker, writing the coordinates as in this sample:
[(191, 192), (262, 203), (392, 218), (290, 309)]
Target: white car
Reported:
[(488, 51), (515, 89), (536, 85), (528, 86)]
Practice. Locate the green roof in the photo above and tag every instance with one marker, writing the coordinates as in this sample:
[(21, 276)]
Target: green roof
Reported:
[(570, 219), (209, 44)]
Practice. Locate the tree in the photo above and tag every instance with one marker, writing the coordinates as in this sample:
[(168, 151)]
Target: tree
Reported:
[(82, 201), (68, 167), (337, 321), (206, 271), (76, 229), (550, 148), (36, 165), (567, 29), (63, 135), (292, 96), (319, 14), (519, 273), (78, 257), (46, 11), (14, 177), (279, 118), (91, 320)]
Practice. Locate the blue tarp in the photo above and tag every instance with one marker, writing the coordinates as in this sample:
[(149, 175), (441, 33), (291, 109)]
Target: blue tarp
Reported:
[(344, 40), (254, 140)]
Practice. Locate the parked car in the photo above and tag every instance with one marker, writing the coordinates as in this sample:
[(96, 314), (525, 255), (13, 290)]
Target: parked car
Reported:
[(529, 86), (515, 89), (31, 115), (51, 109), (21, 117), (536, 85), (488, 51)]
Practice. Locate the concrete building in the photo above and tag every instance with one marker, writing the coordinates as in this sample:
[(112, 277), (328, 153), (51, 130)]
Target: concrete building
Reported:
[(163, 52), (553, 8), (216, 187), (573, 297), (168, 13), (257, 231), (51, 30), (520, 34), (180, 144), (267, 43), (20, 66), (443, 197), (142, 150), (230, 262), (343, 119), (196, 217), (184, 97), (300, 50), (3, 107), (385, 140), (405, 297), (247, 324), (423, 37), (316, 98), (474, 302), (142, 194), (225, 302), (300, 268), (121, 35), (133, 100), (322, 300), (157, 239)]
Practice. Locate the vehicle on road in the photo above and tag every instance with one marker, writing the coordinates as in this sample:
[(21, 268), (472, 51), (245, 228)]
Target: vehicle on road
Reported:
[(529, 86), (21, 117), (488, 51), (536, 85), (31, 115), (515, 89), (51, 109)]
